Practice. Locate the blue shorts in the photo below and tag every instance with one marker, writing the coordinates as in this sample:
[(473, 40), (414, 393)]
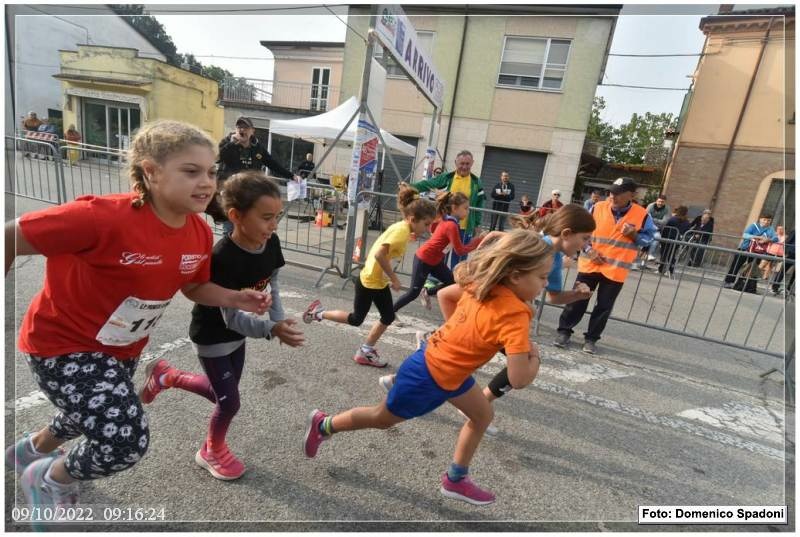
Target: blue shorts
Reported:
[(415, 393)]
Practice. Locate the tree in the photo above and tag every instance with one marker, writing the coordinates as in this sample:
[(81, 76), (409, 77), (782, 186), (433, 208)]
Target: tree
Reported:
[(629, 142), (157, 35), (599, 131), (151, 29)]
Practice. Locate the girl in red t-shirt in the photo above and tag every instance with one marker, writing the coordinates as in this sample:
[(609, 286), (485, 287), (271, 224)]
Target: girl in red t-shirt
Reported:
[(452, 207), (114, 263)]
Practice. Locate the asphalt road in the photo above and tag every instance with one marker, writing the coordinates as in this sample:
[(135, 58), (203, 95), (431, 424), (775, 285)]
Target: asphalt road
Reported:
[(655, 419)]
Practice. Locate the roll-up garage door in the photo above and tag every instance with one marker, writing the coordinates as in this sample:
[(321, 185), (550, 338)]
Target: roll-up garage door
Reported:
[(526, 169)]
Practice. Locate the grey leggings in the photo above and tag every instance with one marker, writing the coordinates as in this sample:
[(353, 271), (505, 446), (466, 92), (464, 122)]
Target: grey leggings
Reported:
[(96, 398)]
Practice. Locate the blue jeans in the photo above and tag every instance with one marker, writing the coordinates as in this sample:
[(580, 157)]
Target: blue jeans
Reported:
[(651, 250)]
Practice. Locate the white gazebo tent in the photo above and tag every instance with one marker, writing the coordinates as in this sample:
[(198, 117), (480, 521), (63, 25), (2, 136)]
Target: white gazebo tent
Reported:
[(325, 128)]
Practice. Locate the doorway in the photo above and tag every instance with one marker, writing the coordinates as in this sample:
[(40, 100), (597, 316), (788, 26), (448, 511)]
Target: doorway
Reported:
[(109, 124)]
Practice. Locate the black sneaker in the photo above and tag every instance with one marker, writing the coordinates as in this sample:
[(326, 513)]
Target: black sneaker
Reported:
[(589, 347), (562, 340)]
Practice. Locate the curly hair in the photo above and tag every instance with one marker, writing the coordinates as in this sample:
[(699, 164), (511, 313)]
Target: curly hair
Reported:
[(156, 141)]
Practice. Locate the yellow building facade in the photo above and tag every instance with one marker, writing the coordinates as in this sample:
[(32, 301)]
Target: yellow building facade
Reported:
[(110, 91)]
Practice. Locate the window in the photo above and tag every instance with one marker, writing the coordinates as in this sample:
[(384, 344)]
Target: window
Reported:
[(320, 79), (532, 62), (393, 69)]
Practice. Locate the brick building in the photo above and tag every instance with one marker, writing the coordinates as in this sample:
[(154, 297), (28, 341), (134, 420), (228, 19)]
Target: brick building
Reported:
[(735, 149)]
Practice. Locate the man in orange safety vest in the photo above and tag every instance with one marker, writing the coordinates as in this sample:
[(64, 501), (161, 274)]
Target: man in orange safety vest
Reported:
[(622, 228)]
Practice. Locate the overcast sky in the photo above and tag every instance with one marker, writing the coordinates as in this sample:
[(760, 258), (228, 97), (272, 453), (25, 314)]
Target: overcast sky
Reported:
[(668, 32)]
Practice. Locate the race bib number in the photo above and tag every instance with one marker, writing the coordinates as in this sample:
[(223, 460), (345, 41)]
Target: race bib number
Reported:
[(133, 320)]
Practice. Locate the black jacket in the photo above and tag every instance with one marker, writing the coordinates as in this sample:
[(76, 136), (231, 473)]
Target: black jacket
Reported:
[(501, 201), (304, 169), (234, 158), (707, 229)]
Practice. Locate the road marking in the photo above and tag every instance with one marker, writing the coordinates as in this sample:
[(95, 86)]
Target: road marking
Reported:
[(743, 419), (584, 373), (663, 421)]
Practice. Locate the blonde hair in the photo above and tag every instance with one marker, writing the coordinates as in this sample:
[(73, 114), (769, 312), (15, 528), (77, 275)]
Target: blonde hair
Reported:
[(411, 205), (522, 221), (157, 141), (516, 251)]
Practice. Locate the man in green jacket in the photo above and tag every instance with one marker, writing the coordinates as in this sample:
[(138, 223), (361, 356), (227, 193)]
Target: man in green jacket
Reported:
[(464, 181)]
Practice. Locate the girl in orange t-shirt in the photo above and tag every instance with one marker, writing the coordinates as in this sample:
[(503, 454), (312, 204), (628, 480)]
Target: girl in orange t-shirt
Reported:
[(499, 279)]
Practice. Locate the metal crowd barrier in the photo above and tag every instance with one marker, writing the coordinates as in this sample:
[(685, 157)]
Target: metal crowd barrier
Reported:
[(34, 170), (695, 301), (94, 170), (313, 225)]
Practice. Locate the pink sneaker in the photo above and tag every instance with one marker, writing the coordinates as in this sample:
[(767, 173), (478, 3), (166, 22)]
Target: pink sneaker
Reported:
[(152, 385), (223, 465), (369, 358), (310, 315), (313, 437), (466, 491)]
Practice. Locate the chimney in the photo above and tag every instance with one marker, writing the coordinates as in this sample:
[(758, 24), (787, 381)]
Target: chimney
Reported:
[(725, 9)]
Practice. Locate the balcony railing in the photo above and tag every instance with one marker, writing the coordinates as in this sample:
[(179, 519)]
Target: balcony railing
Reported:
[(294, 95)]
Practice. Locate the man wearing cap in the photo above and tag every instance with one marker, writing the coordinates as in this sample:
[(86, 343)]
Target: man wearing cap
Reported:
[(551, 205), (241, 150), (622, 228)]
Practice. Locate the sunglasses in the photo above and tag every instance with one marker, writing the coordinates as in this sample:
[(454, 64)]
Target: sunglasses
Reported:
[(557, 195)]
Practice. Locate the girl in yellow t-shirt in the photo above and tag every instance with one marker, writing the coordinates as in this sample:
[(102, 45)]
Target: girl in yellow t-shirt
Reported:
[(377, 276), (493, 313)]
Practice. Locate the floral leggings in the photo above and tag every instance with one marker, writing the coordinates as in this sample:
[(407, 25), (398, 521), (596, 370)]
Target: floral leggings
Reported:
[(95, 395)]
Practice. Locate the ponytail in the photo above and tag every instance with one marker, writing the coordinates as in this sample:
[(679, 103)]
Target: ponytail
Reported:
[(411, 205), (447, 200)]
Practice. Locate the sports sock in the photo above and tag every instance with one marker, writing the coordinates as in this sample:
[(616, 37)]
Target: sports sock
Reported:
[(326, 426), (366, 348), (456, 472), (318, 314)]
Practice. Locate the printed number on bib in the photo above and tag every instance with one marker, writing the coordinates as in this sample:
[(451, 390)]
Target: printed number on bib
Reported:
[(133, 320)]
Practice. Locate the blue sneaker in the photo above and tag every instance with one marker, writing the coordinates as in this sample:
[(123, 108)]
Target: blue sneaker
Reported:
[(19, 456), (39, 493)]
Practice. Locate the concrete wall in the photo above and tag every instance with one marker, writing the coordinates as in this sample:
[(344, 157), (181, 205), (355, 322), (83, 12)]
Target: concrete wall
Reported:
[(38, 38)]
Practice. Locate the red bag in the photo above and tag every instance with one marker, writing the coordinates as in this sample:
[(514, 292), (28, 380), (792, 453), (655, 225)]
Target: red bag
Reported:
[(757, 247), (776, 249)]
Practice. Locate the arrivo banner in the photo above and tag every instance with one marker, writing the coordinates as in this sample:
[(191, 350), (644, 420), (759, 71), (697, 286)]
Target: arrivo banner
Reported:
[(399, 37)]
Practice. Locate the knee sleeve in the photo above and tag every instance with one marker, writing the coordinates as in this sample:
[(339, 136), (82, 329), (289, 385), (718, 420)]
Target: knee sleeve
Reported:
[(500, 384)]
